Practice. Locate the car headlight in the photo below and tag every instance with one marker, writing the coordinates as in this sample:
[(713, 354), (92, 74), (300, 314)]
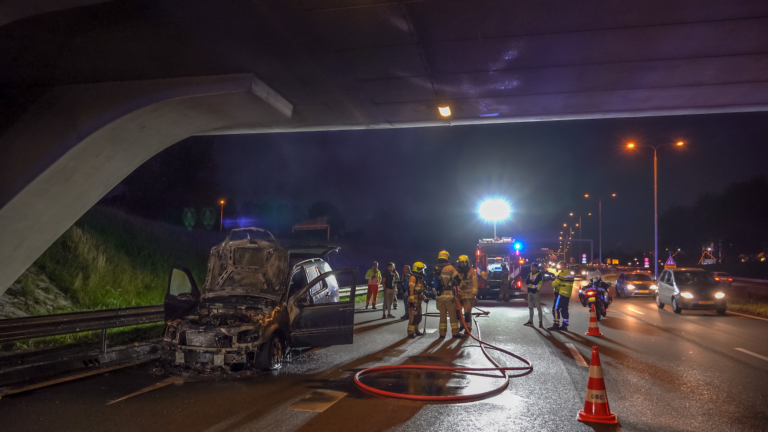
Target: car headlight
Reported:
[(720, 295), (654, 287), (630, 286), (573, 273), (686, 295)]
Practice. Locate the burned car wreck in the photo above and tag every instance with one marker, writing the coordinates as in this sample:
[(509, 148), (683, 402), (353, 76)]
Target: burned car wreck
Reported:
[(259, 301)]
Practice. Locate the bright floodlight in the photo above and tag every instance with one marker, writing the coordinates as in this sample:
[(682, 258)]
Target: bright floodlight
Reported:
[(495, 210)]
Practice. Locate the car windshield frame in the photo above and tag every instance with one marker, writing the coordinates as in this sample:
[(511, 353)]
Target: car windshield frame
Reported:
[(688, 277)]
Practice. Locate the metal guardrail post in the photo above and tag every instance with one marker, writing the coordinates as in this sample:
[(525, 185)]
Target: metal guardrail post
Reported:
[(104, 340)]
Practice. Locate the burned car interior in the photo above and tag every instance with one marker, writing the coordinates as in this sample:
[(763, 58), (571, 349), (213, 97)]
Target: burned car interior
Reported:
[(259, 301)]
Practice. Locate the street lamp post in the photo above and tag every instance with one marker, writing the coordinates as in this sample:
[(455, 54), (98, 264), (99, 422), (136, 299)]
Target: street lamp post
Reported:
[(580, 233), (655, 204), (600, 226), (221, 221)]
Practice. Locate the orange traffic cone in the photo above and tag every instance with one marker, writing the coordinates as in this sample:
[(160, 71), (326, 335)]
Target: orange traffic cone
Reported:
[(596, 408), (593, 329)]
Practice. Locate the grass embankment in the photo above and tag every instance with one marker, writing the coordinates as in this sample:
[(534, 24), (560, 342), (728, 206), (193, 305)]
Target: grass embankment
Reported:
[(112, 260), (753, 301)]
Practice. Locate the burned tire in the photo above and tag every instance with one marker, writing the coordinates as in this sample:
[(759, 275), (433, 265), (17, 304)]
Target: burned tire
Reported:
[(271, 354)]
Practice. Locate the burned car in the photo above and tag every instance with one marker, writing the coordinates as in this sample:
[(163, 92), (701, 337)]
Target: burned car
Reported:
[(259, 301)]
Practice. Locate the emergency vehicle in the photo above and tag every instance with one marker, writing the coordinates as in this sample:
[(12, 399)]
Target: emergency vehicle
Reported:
[(490, 254)]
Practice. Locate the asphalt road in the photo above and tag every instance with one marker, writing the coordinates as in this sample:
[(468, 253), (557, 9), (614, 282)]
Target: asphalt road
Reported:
[(663, 372)]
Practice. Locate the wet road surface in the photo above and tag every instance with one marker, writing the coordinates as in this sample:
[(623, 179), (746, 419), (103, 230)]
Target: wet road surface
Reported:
[(663, 372)]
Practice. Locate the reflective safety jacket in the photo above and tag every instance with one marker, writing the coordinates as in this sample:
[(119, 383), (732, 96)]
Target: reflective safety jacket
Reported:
[(468, 286), (534, 281), (415, 289), (563, 284), (373, 276), (450, 277)]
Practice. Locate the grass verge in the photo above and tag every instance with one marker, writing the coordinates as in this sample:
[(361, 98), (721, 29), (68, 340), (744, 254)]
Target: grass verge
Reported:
[(752, 301)]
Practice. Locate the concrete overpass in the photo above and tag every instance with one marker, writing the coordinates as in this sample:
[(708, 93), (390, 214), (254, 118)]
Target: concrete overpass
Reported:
[(91, 89)]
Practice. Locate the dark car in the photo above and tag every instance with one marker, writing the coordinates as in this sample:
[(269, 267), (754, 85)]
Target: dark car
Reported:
[(635, 284), (260, 301), (690, 288)]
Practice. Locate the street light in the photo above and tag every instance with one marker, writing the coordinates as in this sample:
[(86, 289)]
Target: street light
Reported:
[(600, 224), (495, 210), (655, 204), (221, 223)]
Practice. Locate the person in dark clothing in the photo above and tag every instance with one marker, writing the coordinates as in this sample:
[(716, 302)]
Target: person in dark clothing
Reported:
[(391, 279)]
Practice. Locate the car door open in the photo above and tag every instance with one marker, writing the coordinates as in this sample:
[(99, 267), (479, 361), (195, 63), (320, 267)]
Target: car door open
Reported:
[(182, 292), (324, 316)]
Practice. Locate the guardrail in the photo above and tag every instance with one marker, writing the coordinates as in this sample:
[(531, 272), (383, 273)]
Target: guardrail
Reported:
[(16, 329), (760, 281)]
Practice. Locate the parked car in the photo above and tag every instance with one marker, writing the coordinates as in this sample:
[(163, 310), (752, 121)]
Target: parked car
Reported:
[(260, 300), (724, 278), (690, 288), (635, 284)]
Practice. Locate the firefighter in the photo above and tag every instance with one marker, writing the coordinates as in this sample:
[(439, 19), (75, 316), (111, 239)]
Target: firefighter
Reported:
[(534, 281), (504, 285), (467, 290), (415, 297), (446, 279), (563, 286)]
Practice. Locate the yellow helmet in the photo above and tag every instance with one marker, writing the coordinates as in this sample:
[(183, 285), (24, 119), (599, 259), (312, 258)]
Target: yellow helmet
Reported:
[(418, 267), (464, 258), (444, 255)]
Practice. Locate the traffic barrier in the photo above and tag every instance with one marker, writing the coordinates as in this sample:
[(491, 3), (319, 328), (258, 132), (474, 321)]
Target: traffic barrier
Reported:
[(594, 330), (596, 409)]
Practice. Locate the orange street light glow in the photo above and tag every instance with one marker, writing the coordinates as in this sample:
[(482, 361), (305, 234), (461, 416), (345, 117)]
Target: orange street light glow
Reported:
[(444, 111), (221, 202), (680, 143), (571, 214), (613, 195), (631, 145), (586, 195)]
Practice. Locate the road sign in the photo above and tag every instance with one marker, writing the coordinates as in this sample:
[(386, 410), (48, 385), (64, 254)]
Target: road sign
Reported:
[(670, 263), (583, 258), (647, 263)]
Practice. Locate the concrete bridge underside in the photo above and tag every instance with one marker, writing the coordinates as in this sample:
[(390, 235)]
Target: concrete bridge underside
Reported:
[(91, 89)]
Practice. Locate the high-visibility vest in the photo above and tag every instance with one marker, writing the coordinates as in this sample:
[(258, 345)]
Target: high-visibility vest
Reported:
[(564, 283)]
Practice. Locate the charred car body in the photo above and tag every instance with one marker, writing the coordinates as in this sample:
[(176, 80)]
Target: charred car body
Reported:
[(259, 301)]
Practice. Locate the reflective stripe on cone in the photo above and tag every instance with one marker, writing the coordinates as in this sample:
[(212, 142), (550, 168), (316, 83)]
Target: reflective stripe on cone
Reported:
[(596, 409), (593, 329)]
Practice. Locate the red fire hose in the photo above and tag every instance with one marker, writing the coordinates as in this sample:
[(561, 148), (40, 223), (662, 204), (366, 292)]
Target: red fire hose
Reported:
[(524, 370)]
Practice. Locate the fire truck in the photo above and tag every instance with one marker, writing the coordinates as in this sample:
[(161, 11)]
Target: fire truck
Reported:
[(490, 254)]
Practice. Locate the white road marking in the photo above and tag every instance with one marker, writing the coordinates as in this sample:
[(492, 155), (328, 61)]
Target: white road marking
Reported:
[(748, 316), (751, 353), (641, 313), (430, 330), (577, 355), (317, 401), (546, 311)]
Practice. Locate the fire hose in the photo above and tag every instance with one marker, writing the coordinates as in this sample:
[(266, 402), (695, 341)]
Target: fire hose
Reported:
[(523, 370)]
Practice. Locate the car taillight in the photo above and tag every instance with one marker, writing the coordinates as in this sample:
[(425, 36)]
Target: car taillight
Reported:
[(729, 279), (590, 293), (519, 284), (717, 278)]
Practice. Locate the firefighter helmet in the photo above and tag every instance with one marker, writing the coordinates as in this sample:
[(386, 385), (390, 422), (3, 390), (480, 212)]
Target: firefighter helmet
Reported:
[(418, 267), (444, 255), (464, 259)]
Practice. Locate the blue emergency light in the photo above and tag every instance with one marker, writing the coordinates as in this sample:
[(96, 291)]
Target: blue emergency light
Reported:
[(518, 246)]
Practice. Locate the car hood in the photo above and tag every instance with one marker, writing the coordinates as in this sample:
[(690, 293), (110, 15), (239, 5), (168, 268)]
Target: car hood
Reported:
[(254, 265)]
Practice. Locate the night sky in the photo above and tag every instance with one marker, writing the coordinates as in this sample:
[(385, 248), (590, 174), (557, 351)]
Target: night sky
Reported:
[(542, 168)]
